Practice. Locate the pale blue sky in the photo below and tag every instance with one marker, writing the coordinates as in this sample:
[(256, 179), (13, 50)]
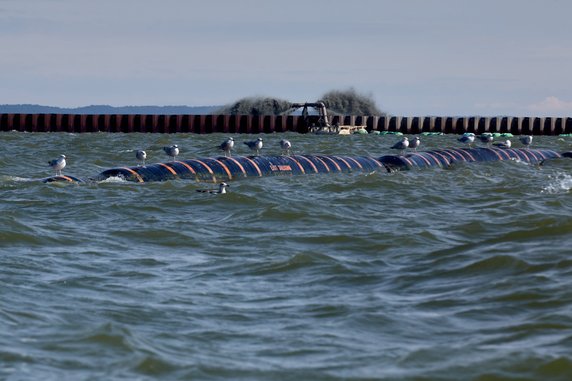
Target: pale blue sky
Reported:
[(415, 57)]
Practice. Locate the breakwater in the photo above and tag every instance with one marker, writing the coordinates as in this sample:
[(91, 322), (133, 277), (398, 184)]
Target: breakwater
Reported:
[(205, 124)]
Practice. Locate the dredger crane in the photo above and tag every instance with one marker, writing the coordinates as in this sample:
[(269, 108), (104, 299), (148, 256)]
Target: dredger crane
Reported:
[(320, 124)]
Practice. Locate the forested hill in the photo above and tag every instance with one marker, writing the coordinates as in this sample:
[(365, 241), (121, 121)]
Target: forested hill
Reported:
[(105, 109)]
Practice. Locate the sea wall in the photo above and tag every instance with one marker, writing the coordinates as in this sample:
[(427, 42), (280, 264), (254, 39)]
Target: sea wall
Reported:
[(204, 124)]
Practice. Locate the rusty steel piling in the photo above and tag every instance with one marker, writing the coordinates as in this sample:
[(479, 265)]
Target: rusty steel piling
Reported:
[(205, 124)]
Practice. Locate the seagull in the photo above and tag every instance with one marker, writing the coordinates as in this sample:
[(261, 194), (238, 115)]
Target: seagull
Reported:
[(487, 138), (172, 151), (402, 144), (526, 140), (255, 145), (58, 164), (415, 143), (227, 146), (285, 145), (141, 156), (468, 137), (504, 145), (221, 189)]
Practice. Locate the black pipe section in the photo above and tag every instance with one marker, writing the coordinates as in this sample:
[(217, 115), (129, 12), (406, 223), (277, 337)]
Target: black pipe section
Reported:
[(62, 178), (446, 157), (229, 168), (219, 169)]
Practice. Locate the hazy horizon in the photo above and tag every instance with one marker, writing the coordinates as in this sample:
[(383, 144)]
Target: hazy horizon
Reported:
[(441, 57)]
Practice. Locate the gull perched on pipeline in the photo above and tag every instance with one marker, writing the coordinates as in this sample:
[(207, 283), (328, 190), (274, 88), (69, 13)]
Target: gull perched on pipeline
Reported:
[(285, 145), (415, 143), (227, 146), (141, 156), (255, 145), (504, 145), (58, 164), (402, 144), (221, 189), (172, 151), (468, 138), (486, 138), (526, 140)]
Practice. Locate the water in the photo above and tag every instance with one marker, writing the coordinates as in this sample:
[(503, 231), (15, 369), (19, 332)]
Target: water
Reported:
[(436, 274)]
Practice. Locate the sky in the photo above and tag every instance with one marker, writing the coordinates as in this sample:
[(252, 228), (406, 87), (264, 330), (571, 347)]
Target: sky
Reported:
[(413, 57)]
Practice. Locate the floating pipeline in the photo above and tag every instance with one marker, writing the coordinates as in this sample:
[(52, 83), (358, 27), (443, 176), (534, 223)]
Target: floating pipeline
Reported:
[(446, 157), (230, 168), (62, 178), (219, 169)]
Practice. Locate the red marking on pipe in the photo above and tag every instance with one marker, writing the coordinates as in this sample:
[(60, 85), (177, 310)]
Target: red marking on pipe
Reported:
[(335, 164), (300, 165), (67, 178), (355, 161), (309, 161), (280, 168), (541, 154), (495, 152), (168, 168), (255, 166), (422, 157), (323, 163), (504, 151), (137, 176), (187, 166), (434, 158), (206, 166), (455, 156), (450, 155), (377, 162), (529, 156), (238, 164), (520, 155), (468, 153), (345, 162), (225, 168), (446, 159), (409, 162)]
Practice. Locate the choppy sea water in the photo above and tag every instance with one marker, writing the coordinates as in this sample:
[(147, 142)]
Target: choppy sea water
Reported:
[(438, 274)]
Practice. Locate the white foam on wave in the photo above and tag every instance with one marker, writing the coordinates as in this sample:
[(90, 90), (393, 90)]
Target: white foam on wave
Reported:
[(559, 183), (15, 179), (113, 179)]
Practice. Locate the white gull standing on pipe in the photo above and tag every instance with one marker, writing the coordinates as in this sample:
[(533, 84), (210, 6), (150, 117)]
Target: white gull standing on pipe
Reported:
[(402, 144), (504, 145), (172, 151), (526, 140), (468, 138), (141, 156), (285, 145), (227, 146), (255, 145), (486, 138), (415, 143), (58, 164)]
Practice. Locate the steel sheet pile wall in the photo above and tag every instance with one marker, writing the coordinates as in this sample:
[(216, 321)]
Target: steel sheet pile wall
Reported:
[(232, 124)]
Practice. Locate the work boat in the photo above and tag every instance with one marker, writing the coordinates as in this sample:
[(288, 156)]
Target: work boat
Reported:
[(320, 124)]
